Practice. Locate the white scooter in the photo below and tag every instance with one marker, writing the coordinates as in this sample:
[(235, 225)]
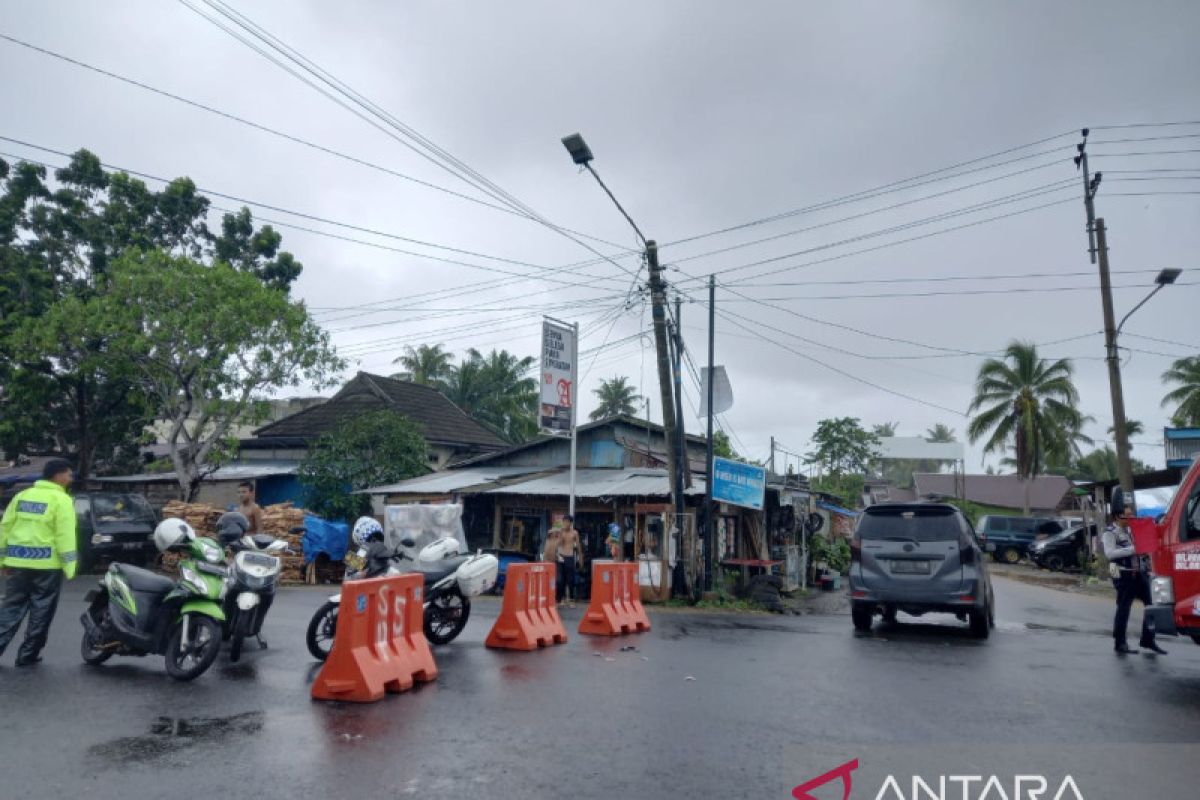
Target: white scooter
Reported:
[(451, 579)]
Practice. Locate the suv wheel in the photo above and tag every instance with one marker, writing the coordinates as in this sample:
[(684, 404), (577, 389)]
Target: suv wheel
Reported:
[(862, 613), (979, 624), (1010, 555), (1055, 563)]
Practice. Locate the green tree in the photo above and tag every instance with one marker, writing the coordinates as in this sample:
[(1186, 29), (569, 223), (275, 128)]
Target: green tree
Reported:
[(885, 430), (57, 241), (1028, 405), (723, 447), (842, 446), (1186, 396), (374, 449), (940, 434), (1132, 428), (848, 488), (426, 364), (617, 398), (202, 344), (497, 390), (1100, 465)]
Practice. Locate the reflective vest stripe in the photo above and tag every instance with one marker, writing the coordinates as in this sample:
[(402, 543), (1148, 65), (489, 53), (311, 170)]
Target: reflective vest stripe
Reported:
[(28, 553)]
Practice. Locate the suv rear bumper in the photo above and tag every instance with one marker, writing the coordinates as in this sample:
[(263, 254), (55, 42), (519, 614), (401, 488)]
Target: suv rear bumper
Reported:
[(954, 603)]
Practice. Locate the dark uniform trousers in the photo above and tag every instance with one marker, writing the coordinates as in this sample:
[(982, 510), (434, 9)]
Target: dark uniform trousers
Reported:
[(1132, 586), (32, 591)]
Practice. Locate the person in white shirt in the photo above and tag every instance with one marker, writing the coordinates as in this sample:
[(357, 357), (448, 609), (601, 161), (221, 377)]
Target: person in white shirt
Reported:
[(1131, 578)]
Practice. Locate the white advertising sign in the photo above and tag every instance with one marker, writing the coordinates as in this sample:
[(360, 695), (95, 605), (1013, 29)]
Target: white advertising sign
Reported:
[(558, 377)]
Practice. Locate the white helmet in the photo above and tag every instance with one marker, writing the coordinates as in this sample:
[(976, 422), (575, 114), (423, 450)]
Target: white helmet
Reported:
[(365, 529), (172, 532)]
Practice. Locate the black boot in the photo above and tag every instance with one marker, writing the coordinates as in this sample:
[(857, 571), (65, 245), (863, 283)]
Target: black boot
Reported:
[(1123, 649)]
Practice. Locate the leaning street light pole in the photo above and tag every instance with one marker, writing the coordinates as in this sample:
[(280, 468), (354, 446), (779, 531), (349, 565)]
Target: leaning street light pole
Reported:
[(581, 154), (1098, 250)]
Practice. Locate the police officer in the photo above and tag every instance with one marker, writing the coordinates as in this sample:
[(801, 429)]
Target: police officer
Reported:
[(1131, 577), (37, 546)]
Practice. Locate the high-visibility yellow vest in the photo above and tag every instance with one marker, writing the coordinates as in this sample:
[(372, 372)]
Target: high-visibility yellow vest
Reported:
[(38, 530)]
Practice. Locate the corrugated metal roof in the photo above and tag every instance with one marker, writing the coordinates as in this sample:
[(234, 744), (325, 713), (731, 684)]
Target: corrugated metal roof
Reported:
[(599, 483), (451, 481), (243, 470)]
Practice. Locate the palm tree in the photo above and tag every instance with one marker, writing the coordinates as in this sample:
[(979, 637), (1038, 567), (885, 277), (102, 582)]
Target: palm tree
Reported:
[(497, 390), (1132, 428), (885, 430), (1028, 404), (1185, 372), (425, 364), (940, 434), (617, 398)]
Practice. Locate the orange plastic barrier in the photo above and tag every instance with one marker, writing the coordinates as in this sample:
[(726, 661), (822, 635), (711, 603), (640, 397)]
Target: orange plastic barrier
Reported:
[(528, 619), (616, 605), (380, 642)]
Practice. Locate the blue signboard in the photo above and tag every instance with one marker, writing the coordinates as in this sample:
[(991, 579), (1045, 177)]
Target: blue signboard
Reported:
[(739, 484)]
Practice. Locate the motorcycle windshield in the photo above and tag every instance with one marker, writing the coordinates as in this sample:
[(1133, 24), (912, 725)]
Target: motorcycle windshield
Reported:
[(423, 524)]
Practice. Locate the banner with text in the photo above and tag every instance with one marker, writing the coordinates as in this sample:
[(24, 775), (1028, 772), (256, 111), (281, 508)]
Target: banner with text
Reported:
[(558, 377), (739, 484)]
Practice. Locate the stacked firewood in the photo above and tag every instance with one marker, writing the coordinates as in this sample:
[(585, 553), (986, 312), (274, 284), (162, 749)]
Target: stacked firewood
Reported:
[(278, 521)]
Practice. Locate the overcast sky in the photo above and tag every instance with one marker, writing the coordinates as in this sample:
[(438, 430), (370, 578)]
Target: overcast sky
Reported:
[(702, 116)]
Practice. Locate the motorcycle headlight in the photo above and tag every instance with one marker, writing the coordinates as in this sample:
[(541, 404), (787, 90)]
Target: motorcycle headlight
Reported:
[(193, 580), (1162, 591)]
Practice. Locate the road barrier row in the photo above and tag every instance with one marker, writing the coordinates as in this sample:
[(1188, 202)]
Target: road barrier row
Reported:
[(528, 616), (380, 644)]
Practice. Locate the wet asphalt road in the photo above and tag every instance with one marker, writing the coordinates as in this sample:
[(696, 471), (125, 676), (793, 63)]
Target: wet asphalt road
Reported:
[(774, 701)]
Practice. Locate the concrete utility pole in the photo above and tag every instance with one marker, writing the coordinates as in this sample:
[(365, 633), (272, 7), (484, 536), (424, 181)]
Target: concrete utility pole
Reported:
[(658, 306), (710, 531), (1113, 357), (1098, 250)]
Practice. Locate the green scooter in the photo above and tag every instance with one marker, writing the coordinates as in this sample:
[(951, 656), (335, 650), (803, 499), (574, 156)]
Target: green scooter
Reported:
[(136, 612)]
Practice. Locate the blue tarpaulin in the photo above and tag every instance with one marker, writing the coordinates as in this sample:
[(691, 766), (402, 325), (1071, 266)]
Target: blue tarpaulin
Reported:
[(845, 512), (322, 536)]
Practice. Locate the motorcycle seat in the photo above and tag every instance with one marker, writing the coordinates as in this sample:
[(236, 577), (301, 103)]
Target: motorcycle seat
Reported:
[(262, 540), (145, 581), (440, 569)]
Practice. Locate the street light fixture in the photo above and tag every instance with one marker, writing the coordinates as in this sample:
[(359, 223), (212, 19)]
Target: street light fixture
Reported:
[(1164, 278)]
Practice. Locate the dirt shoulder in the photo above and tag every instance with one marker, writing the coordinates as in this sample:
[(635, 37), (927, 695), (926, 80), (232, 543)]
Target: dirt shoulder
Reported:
[(1063, 581)]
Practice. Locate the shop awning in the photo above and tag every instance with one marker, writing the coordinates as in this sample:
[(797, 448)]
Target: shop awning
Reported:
[(594, 483), (453, 480)]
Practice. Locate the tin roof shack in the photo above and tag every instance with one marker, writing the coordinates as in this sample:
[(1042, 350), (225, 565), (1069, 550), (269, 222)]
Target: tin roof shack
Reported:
[(512, 497), (451, 433)]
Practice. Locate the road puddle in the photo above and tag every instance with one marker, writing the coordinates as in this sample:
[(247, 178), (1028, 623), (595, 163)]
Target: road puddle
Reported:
[(169, 735)]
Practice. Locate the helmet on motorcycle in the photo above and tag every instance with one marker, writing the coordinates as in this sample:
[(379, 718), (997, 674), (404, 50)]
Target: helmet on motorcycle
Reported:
[(172, 532), (231, 526), (366, 529)]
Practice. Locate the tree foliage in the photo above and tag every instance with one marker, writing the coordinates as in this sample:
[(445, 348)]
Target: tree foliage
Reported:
[(847, 488), (1027, 405), (426, 364), (617, 397), (374, 449), (1186, 396), (842, 446), (1099, 465), (200, 343), (58, 241), (723, 447), (498, 390)]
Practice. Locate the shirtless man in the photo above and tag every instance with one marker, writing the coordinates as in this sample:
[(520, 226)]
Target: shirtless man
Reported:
[(570, 556), (250, 509)]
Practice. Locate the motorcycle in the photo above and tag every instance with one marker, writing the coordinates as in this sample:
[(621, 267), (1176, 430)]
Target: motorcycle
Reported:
[(253, 576), (136, 612), (451, 580)]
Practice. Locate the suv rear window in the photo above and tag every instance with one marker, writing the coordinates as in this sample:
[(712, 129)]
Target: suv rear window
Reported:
[(906, 523)]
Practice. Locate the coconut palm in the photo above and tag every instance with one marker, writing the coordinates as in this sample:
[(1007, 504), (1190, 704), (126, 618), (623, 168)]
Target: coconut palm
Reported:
[(617, 397), (426, 364), (1132, 428), (1186, 373), (940, 434), (497, 390), (1028, 405)]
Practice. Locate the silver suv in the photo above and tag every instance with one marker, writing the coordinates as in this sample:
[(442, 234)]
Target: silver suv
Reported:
[(916, 558)]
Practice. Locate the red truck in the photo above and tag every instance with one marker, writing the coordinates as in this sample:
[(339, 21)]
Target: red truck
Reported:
[(1173, 545)]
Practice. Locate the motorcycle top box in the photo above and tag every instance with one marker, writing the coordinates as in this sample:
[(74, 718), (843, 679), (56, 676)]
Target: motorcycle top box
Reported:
[(478, 575)]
